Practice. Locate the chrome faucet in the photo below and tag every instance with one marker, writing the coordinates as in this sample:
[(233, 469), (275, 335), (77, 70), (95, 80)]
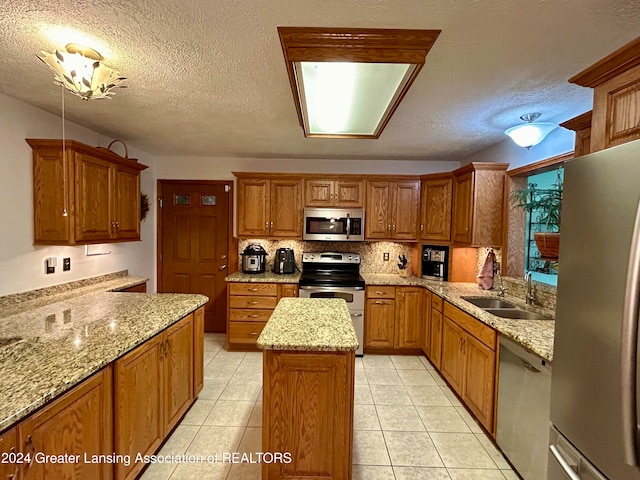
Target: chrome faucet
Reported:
[(530, 297)]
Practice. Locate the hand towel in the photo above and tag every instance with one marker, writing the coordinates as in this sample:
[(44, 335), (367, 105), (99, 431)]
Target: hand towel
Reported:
[(485, 277)]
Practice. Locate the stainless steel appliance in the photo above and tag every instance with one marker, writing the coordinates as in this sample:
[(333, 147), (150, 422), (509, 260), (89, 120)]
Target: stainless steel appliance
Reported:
[(334, 224), (335, 275), (253, 258), (284, 261), (524, 390), (435, 262), (594, 390)]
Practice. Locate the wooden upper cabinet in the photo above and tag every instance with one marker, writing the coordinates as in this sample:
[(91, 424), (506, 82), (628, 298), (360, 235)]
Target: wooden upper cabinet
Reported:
[(435, 207), (98, 190), (392, 210), (269, 206), (478, 192), (582, 126), (616, 96), (321, 192)]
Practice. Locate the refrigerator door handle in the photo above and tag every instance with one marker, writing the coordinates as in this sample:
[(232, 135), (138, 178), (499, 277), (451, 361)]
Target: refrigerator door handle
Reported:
[(629, 350), (571, 473)]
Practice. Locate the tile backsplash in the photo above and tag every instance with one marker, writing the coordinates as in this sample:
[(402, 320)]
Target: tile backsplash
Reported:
[(371, 252)]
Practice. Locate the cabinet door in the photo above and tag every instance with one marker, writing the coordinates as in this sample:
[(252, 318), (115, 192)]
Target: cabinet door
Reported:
[(435, 348), (286, 208), (138, 417), (318, 193), (198, 351), (9, 444), (348, 193), (435, 212), (406, 201), (253, 206), (127, 203), (378, 221), (379, 323), (289, 290), (453, 361), (408, 317), (178, 371), (93, 198), (78, 423), (51, 196), (479, 380), (426, 321)]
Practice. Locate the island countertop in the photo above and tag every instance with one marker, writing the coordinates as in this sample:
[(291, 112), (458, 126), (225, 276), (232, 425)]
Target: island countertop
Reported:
[(46, 350), (309, 324)]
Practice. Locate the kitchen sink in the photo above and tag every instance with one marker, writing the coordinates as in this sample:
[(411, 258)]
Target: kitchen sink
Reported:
[(517, 313), (488, 302)]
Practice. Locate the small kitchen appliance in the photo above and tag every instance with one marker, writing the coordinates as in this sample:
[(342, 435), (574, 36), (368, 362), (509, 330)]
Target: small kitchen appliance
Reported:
[(253, 259), (334, 224), (284, 261), (435, 262)]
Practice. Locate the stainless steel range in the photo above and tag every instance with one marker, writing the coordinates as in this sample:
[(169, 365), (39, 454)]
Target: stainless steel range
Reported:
[(335, 275)]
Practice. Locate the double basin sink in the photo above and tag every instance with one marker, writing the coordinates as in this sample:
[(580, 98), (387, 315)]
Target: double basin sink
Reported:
[(505, 309)]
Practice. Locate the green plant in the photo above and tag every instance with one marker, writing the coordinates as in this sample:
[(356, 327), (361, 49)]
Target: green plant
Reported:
[(546, 202)]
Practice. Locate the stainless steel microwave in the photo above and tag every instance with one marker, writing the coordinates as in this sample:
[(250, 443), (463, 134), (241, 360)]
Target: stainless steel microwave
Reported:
[(334, 224)]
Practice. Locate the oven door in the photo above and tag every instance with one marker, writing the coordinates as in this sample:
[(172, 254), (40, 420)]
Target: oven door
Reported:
[(336, 225)]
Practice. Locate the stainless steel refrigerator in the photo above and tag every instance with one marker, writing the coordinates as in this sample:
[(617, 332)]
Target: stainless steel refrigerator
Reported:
[(594, 389)]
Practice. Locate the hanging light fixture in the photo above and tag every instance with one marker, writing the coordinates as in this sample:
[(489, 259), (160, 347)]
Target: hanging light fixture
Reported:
[(531, 133), (79, 70)]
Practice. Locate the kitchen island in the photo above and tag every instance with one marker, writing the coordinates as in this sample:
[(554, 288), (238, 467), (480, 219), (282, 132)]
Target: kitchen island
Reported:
[(308, 381)]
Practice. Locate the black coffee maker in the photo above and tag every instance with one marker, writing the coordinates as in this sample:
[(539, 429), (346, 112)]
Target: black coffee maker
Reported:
[(435, 262), (284, 261)]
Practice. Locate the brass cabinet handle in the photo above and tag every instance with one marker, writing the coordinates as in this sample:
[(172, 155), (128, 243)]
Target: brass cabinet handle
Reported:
[(117, 226), (252, 303), (378, 302), (253, 334), (255, 315), (378, 292), (252, 289)]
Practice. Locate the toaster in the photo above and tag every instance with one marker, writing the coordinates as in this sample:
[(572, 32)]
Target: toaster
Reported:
[(284, 261)]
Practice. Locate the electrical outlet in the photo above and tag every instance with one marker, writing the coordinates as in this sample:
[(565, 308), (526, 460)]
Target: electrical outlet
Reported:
[(385, 256), (66, 264)]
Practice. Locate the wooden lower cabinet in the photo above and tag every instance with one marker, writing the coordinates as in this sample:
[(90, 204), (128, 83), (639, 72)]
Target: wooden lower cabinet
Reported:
[(408, 317), (426, 321), (469, 362), (9, 444), (178, 372), (380, 323), (435, 340), (198, 351), (308, 411), (78, 423)]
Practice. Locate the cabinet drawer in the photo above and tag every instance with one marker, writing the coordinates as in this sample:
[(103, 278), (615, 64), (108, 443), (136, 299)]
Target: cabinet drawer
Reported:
[(381, 292), (249, 315), (476, 328), (436, 302), (258, 289), (245, 332), (253, 302)]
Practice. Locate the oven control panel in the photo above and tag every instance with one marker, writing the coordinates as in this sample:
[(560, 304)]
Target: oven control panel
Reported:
[(330, 257)]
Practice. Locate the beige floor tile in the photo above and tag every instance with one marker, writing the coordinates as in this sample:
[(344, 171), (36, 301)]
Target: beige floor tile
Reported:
[(159, 471), (362, 395), (224, 358), (219, 373), (493, 452), (360, 377), (462, 450), (359, 363), (247, 373), (245, 471), (407, 362), (251, 441), (428, 395), (372, 472), (180, 439), (369, 448), (256, 416), (390, 395), (365, 417), (212, 346), (420, 473), (425, 361), (377, 362), (399, 417), (510, 475), (208, 356), (412, 449), (438, 379), (245, 391), (416, 377), (213, 439), (200, 471), (211, 389), (198, 412), (451, 396), (470, 421), (230, 413), (252, 359), (442, 419), (384, 376), (475, 474)]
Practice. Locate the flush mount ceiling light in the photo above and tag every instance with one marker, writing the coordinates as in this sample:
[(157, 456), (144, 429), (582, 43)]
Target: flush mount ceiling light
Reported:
[(347, 82), (531, 133), (79, 70)]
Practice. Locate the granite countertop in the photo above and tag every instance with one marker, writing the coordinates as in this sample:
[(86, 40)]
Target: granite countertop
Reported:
[(54, 342), (535, 335), (267, 277), (309, 324)]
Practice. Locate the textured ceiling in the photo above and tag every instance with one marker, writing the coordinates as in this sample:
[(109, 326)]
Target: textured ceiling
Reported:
[(207, 77)]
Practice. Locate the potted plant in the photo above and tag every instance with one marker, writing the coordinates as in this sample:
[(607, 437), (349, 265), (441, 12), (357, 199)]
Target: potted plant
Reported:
[(546, 204)]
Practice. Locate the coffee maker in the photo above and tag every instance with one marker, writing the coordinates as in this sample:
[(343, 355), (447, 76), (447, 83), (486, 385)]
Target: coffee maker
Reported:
[(435, 262)]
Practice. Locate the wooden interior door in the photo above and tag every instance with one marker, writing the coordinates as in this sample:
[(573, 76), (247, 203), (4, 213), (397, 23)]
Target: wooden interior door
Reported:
[(194, 238)]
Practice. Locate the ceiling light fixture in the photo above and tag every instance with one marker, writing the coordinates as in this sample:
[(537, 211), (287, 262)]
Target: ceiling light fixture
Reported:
[(531, 133), (347, 82), (79, 70)]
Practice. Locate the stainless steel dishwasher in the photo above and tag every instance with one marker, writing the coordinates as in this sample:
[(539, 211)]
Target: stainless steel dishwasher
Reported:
[(524, 390)]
